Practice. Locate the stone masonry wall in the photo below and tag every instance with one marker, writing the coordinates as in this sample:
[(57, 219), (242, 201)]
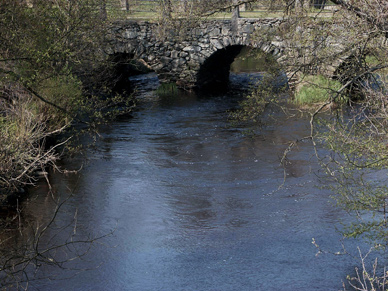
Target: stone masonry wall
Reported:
[(179, 58)]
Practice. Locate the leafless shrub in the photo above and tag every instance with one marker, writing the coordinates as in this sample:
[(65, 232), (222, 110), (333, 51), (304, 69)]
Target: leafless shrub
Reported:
[(368, 278), (23, 133)]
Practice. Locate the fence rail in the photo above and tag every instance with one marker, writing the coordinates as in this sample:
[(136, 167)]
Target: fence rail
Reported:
[(150, 9)]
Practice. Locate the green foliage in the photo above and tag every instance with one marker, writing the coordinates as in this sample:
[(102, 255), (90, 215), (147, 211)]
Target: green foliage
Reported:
[(46, 39), (167, 89), (251, 109), (48, 52), (262, 93), (64, 91), (316, 89), (357, 164)]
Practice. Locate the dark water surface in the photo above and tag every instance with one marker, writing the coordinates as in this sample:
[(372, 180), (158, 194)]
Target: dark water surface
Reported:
[(197, 205)]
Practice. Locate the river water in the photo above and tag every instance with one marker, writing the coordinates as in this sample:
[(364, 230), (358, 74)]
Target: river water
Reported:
[(195, 204)]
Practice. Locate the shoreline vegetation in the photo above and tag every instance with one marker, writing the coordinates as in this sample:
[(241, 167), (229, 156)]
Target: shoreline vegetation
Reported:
[(53, 75)]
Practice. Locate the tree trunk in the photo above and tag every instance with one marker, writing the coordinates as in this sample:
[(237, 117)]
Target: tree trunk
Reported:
[(166, 9), (235, 17)]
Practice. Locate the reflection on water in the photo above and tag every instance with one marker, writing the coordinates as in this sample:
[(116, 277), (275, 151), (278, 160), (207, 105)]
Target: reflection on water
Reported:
[(196, 205)]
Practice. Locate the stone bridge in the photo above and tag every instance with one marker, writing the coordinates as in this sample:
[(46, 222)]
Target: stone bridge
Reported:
[(199, 56)]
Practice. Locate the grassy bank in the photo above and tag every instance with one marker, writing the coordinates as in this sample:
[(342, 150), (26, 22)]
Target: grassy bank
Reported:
[(315, 89)]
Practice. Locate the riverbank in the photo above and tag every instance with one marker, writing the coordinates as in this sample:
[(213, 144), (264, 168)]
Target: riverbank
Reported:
[(54, 74), (38, 126)]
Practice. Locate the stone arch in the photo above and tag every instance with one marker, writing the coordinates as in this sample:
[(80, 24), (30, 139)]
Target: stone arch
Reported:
[(348, 66), (269, 48)]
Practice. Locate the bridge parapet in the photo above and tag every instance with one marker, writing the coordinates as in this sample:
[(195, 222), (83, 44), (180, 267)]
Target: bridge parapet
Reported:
[(179, 58)]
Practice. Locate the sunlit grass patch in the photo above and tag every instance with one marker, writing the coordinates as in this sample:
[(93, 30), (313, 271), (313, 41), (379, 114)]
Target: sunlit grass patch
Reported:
[(316, 89)]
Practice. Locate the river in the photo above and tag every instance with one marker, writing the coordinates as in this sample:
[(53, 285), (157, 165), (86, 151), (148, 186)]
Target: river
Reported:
[(194, 204)]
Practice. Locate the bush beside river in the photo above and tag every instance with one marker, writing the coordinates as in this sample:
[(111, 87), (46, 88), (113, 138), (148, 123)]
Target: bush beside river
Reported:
[(53, 75)]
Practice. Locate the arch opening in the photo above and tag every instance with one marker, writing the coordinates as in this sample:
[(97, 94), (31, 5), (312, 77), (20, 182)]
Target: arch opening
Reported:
[(355, 72), (214, 72), (124, 66), (239, 66), (252, 65)]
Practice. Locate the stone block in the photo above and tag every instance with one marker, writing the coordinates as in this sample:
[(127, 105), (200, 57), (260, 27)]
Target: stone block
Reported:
[(192, 48), (248, 28), (197, 58), (225, 31), (177, 63), (226, 41), (216, 43), (183, 54), (174, 54), (166, 60), (189, 49), (204, 45), (150, 58), (130, 34), (215, 32), (158, 67)]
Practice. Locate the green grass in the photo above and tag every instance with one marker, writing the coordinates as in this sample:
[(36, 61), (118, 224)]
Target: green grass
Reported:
[(167, 89), (150, 10), (315, 89), (150, 15)]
